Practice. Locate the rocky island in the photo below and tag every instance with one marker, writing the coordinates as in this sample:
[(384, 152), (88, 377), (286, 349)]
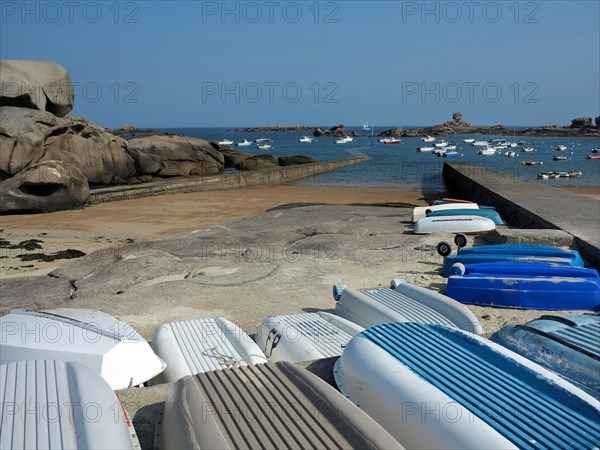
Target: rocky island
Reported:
[(580, 127)]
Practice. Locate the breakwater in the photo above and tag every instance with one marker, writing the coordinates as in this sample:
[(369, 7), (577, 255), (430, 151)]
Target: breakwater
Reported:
[(276, 175), (529, 204)]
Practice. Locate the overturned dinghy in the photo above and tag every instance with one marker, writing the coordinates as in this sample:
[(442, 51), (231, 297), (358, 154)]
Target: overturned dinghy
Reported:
[(274, 405), (60, 405), (305, 337), (420, 212), (569, 346), (515, 253), (195, 346), (93, 338), (525, 285), (402, 302), (435, 387)]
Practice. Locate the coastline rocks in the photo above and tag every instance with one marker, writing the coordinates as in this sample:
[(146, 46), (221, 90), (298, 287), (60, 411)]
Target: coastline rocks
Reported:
[(29, 136), (40, 85), (258, 162), (457, 116), (335, 131), (131, 131), (394, 132), (171, 156), (233, 157), (274, 129), (44, 187)]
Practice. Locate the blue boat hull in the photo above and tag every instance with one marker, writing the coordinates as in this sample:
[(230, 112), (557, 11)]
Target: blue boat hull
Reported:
[(525, 291), (513, 252), (526, 269), (488, 213), (569, 346)]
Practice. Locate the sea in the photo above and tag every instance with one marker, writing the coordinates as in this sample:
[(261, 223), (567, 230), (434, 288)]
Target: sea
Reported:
[(403, 167)]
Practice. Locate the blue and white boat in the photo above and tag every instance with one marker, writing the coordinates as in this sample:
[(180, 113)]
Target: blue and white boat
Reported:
[(435, 387), (488, 213), (569, 346), (525, 285), (513, 252)]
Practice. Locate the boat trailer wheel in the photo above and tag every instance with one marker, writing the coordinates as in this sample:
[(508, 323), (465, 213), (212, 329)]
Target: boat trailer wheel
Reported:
[(460, 240), (444, 249)]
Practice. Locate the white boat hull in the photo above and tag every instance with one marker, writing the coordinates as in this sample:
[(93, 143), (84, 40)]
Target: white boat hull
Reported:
[(195, 346), (93, 338), (305, 337), (404, 302), (60, 405), (454, 224), (420, 212)]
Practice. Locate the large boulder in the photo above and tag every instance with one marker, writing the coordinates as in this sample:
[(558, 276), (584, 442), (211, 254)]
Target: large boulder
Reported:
[(44, 187), (457, 116), (258, 162), (171, 156), (28, 136), (233, 157), (41, 85)]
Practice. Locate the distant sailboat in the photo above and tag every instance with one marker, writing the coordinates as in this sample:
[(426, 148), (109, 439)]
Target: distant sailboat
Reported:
[(366, 126)]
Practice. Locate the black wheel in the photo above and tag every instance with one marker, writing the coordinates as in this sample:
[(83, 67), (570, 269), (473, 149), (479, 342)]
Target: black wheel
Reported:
[(444, 249), (427, 212), (460, 240)]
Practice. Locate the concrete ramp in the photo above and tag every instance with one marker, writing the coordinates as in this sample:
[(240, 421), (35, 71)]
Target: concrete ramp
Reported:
[(530, 204)]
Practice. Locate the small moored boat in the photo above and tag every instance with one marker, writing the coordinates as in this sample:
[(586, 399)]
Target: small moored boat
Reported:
[(306, 140), (244, 143), (559, 158), (225, 142), (561, 148)]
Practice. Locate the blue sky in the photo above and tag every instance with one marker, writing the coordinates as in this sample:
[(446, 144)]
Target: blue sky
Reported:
[(196, 64)]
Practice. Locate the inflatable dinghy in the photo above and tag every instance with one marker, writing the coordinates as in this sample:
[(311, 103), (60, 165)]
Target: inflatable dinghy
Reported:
[(305, 337), (93, 338), (195, 346), (436, 387)]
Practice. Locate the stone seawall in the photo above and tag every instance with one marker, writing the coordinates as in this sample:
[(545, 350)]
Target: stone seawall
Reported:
[(529, 204), (277, 175)]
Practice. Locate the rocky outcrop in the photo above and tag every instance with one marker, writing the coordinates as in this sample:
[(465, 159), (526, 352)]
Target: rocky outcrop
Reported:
[(582, 122), (172, 156), (336, 131), (40, 85), (393, 132), (44, 187), (233, 157), (29, 136), (258, 162), (131, 131)]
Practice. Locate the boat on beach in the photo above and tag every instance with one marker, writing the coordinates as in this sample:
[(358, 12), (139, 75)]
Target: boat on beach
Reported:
[(489, 213), (465, 224), (273, 405), (513, 252), (93, 338), (402, 302), (57, 404), (305, 337), (432, 386), (195, 346), (525, 285), (566, 345), (420, 212)]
